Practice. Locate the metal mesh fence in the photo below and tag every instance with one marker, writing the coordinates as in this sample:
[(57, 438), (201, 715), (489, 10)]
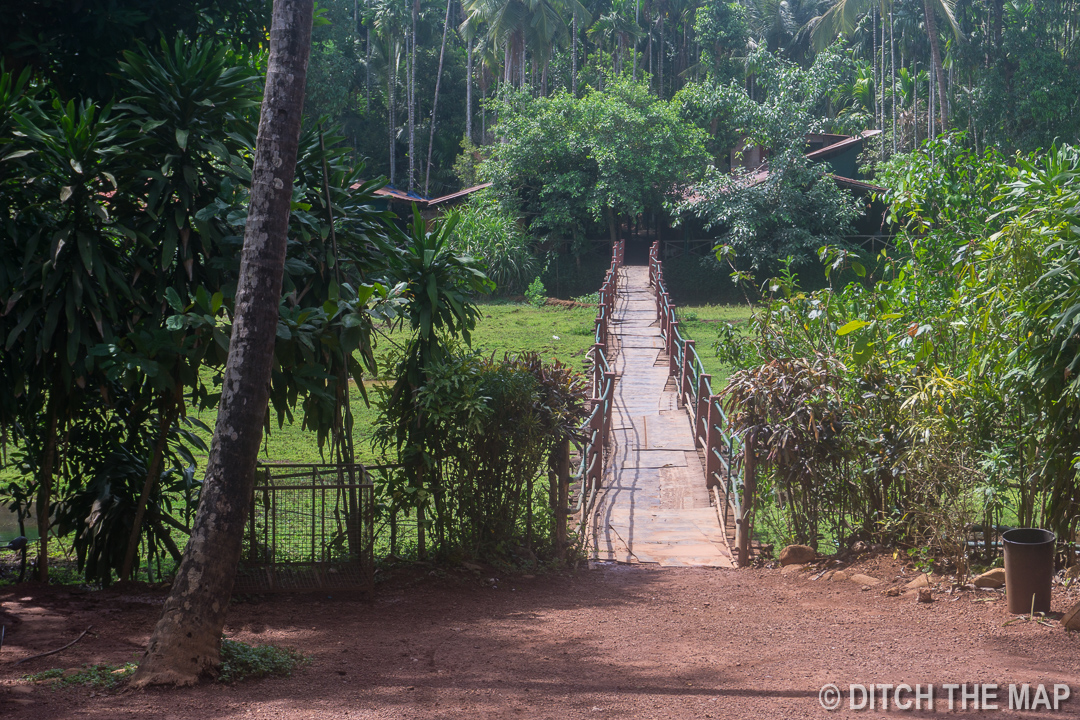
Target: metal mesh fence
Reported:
[(310, 527)]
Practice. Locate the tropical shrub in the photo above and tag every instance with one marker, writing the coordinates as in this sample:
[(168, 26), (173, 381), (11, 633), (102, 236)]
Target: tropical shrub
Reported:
[(488, 230), (118, 266), (491, 426), (954, 354)]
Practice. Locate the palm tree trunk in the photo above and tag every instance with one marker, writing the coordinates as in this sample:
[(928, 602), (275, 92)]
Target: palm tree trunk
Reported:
[(661, 59), (45, 484), (391, 80), (881, 92), (412, 97), (573, 55), (939, 68), (915, 104), (468, 92), (892, 72), (367, 78), (650, 56), (930, 105), (167, 411), (435, 102), (186, 642), (998, 7), (874, 63)]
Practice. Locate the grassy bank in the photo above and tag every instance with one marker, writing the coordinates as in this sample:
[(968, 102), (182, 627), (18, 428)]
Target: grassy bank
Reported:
[(701, 324)]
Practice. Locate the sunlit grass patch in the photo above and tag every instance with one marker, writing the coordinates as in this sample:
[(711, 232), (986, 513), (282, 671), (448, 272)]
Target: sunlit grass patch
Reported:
[(701, 323)]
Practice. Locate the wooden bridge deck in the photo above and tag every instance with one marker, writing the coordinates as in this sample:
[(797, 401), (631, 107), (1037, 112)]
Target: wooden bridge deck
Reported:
[(654, 506)]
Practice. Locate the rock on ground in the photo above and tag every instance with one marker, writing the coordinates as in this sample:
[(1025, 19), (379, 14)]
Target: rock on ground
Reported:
[(797, 555)]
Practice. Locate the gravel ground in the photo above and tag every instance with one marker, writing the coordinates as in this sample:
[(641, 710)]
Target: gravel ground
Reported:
[(615, 641)]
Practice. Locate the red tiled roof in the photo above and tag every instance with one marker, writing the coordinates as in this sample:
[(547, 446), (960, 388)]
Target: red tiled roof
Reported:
[(458, 195), (829, 150)]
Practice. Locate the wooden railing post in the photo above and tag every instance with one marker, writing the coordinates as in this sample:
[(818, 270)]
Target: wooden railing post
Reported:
[(701, 411), (597, 369), (673, 346), (743, 525), (713, 441), (685, 386), (609, 404), (562, 472), (597, 433)]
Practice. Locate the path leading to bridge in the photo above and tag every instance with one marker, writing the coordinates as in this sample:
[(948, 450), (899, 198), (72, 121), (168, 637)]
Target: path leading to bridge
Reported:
[(654, 506)]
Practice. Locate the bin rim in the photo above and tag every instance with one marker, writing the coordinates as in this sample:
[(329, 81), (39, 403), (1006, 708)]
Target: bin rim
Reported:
[(1047, 536)]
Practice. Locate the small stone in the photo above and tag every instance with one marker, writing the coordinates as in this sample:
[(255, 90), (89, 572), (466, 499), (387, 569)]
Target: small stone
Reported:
[(892, 592), (923, 581), (860, 579), (797, 555), (992, 579), (791, 569), (859, 547), (840, 575), (926, 595), (472, 566), (1071, 619)]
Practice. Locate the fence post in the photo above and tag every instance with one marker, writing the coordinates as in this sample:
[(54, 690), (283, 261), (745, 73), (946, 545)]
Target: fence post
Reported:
[(596, 431), (744, 524), (712, 462), (662, 311), (609, 385), (685, 386), (563, 478), (673, 345), (597, 373), (701, 410)]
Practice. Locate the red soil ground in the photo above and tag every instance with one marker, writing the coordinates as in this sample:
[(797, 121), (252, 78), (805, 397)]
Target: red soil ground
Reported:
[(611, 642)]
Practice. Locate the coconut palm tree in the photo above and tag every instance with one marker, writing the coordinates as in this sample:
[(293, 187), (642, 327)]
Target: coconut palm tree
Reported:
[(519, 26), (844, 15)]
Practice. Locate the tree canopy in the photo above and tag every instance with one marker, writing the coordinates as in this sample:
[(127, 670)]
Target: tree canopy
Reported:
[(572, 162)]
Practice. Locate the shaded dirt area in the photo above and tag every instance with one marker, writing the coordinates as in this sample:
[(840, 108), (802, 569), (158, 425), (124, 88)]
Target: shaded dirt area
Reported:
[(616, 641)]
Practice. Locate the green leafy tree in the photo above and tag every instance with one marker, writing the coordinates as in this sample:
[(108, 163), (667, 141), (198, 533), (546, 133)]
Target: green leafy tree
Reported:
[(573, 161), (794, 207)]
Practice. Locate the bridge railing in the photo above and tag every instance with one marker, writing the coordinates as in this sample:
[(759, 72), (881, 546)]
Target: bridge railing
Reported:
[(712, 432), (596, 429)]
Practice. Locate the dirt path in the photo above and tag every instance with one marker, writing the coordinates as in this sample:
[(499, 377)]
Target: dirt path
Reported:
[(614, 642)]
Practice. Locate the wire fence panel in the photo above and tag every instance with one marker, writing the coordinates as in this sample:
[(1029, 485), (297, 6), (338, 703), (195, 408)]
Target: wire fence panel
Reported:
[(310, 527)]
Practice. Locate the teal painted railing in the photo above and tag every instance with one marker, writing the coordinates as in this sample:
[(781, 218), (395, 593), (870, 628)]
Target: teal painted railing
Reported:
[(597, 427), (712, 432)]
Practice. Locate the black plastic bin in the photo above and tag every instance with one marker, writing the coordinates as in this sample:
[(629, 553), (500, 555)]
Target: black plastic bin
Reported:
[(1029, 569)]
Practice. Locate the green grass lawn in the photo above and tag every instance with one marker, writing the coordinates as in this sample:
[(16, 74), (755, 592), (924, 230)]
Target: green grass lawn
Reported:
[(553, 331), (700, 323)]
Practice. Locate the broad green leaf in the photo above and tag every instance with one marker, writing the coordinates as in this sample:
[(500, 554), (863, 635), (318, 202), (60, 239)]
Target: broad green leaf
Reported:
[(851, 327)]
